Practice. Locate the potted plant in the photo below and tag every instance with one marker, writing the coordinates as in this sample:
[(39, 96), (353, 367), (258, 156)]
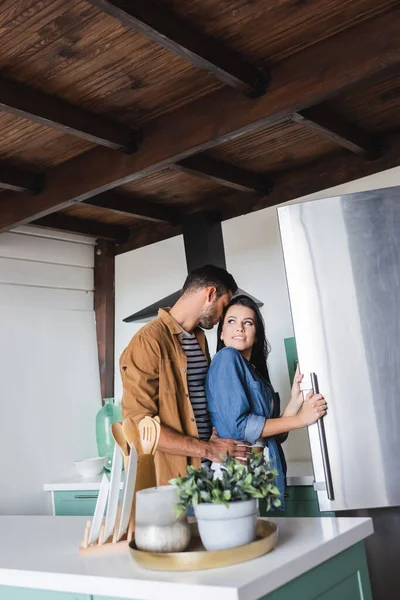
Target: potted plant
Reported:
[(226, 507)]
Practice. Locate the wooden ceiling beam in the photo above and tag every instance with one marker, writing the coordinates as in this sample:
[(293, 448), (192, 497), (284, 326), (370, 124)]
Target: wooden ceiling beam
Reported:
[(326, 173), (338, 130), (316, 74), (140, 208), (329, 172), (159, 24), (104, 231), (225, 174), (16, 179), (38, 107), (141, 236)]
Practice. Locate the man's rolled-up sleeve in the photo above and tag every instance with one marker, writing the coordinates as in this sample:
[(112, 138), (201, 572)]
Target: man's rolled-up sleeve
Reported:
[(139, 368), (228, 399)]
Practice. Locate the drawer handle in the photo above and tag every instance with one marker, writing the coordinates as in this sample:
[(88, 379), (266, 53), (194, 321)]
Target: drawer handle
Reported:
[(83, 496)]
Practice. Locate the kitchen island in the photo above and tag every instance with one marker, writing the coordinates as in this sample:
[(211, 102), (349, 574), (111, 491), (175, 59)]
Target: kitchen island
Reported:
[(315, 558)]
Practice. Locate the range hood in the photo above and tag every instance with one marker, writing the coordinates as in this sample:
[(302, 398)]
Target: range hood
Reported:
[(204, 245)]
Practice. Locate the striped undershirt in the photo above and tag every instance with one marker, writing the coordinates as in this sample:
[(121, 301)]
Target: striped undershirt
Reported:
[(197, 367)]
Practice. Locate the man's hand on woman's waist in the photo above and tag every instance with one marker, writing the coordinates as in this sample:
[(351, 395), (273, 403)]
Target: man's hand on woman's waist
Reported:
[(218, 448), (173, 442)]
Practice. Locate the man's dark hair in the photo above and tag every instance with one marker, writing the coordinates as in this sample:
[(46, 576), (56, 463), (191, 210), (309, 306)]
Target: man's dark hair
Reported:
[(207, 276)]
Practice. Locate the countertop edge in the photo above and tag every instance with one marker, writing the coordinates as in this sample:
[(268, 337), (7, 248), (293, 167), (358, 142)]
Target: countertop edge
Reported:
[(297, 476), (82, 486)]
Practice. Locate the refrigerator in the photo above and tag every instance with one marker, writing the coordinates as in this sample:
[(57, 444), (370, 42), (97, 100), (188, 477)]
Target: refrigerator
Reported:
[(342, 261)]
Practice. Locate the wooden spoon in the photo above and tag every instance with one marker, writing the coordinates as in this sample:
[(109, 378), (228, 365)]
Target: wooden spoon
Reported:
[(131, 434), (120, 439)]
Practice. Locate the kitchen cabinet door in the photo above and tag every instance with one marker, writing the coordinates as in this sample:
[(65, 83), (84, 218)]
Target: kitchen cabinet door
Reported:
[(300, 501), (343, 577), (75, 503)]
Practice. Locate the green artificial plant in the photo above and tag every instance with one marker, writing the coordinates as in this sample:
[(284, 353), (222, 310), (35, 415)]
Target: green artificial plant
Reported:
[(238, 482)]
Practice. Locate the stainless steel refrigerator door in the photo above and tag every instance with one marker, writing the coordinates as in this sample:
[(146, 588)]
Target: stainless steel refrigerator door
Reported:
[(342, 258)]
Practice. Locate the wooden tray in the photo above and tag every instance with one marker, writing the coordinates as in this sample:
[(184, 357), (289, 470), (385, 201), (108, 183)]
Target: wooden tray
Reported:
[(196, 558)]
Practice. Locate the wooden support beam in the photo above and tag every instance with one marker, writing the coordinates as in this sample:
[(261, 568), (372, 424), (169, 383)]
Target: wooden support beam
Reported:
[(336, 128), (318, 73), (326, 173), (104, 306), (89, 227), (143, 235), (140, 208), (158, 23), (16, 179), (225, 174), (26, 102)]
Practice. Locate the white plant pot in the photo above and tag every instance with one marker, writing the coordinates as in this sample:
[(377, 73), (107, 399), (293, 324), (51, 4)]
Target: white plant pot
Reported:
[(223, 527)]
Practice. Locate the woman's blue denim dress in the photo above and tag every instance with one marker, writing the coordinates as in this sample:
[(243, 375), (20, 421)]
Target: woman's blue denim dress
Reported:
[(239, 401)]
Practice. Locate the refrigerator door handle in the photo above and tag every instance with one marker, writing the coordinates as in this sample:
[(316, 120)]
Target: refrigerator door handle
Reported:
[(324, 447)]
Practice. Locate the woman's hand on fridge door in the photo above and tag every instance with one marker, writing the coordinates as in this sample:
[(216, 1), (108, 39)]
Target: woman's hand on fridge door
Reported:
[(314, 407)]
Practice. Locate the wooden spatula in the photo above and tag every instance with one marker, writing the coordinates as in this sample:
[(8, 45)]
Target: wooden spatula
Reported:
[(149, 432)]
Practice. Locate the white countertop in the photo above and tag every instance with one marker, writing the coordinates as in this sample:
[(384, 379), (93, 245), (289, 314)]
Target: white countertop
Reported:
[(299, 473), (42, 552), (76, 483)]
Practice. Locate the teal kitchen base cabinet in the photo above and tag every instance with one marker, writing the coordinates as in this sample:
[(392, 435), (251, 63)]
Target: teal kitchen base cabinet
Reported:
[(343, 577), (75, 503), (300, 501), (14, 593)]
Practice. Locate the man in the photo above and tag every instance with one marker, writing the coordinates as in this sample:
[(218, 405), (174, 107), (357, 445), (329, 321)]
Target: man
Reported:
[(163, 373)]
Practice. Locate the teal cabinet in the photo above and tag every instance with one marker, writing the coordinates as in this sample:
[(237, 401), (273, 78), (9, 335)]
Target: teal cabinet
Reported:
[(343, 577), (75, 503), (14, 593), (300, 501)]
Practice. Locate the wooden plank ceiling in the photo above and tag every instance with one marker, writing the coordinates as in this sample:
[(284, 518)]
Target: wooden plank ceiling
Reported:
[(118, 118)]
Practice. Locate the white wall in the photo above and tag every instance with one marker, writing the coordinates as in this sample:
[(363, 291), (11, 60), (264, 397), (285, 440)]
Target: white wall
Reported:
[(50, 388), (253, 256), (142, 277)]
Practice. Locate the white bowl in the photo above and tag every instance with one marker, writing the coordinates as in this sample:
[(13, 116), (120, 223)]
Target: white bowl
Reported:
[(90, 467)]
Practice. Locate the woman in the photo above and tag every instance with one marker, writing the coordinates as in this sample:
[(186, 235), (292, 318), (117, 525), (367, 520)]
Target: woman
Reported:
[(240, 397)]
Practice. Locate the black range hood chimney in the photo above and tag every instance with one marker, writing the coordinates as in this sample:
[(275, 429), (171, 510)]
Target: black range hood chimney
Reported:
[(204, 245)]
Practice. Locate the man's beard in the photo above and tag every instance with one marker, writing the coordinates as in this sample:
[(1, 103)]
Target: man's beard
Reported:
[(209, 318)]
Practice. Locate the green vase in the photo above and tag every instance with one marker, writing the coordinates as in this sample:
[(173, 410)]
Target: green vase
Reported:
[(107, 415)]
